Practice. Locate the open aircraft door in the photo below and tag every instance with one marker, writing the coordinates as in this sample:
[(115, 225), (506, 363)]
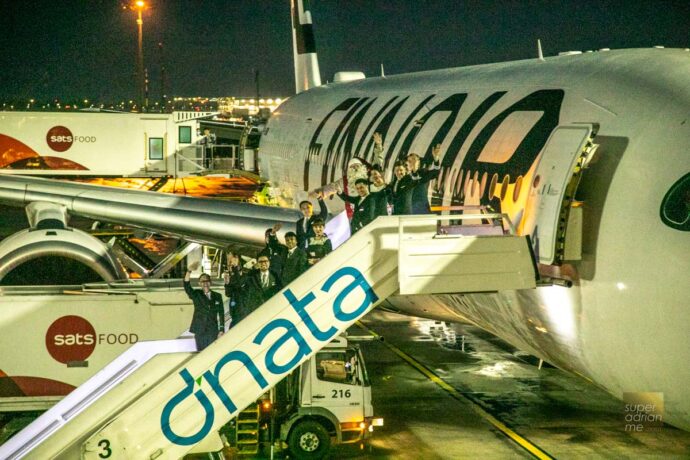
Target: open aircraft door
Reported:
[(551, 194)]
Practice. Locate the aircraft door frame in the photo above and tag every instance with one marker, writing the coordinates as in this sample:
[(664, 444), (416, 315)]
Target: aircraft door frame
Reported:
[(155, 137), (553, 186)]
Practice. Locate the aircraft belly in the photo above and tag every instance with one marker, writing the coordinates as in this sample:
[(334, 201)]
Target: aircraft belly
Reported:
[(527, 319), (599, 343)]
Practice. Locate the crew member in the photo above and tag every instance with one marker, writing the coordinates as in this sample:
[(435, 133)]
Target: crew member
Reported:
[(295, 262), (364, 207), (234, 296), (400, 190), (207, 141), (318, 245), (378, 191), (208, 318), (304, 225), (274, 250), (421, 179), (255, 287)]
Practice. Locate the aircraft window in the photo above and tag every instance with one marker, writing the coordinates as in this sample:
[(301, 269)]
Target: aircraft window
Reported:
[(485, 176), (504, 186), (475, 188), (439, 179), (155, 148), (184, 134), (338, 367), (492, 186), (508, 136), (450, 178), (675, 207), (458, 182), (468, 180), (535, 182), (475, 183), (516, 190)]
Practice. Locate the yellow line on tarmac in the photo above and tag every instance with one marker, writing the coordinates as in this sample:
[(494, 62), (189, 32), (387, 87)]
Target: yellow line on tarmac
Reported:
[(522, 442)]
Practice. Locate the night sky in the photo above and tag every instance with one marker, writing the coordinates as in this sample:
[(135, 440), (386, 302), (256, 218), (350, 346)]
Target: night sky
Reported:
[(87, 49)]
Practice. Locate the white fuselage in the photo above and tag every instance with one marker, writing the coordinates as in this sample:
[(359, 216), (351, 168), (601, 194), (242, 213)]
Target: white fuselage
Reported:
[(623, 324)]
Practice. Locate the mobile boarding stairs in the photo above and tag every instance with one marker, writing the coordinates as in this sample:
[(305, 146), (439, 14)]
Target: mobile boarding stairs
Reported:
[(162, 400)]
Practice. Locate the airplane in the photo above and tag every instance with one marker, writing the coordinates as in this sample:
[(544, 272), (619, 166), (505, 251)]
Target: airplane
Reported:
[(586, 153)]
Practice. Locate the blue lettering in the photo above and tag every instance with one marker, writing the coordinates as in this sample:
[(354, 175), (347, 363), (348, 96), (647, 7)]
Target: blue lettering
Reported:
[(292, 333), (300, 305), (177, 399), (212, 378), (370, 296)]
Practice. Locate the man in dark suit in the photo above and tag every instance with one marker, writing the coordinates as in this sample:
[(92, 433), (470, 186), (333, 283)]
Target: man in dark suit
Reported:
[(365, 207), (266, 279), (295, 262), (421, 178), (234, 269), (208, 318), (304, 224), (254, 288), (378, 190), (275, 251), (399, 191)]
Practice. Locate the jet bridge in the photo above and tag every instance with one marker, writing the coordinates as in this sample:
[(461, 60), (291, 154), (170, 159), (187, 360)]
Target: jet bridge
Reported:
[(164, 405)]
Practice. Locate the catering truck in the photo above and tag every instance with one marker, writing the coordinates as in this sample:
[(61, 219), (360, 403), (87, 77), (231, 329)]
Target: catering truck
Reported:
[(325, 401), (118, 144)]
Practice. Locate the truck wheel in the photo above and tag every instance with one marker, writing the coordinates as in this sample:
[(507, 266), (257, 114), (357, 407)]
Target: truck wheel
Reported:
[(309, 440)]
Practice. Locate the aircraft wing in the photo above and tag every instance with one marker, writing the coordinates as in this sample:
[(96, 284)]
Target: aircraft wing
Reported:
[(204, 220)]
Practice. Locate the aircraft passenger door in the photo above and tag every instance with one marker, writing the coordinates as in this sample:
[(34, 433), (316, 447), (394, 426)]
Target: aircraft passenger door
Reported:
[(155, 145), (552, 189)]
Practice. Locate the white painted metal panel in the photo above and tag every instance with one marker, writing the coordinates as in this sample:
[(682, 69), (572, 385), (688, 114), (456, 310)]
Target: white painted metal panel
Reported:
[(554, 172), (178, 413), (465, 264), (60, 430)]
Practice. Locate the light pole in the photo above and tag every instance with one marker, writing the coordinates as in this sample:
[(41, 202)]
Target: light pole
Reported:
[(139, 7)]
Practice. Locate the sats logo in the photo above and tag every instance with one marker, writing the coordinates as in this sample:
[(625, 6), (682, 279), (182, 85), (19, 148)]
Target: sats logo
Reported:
[(59, 138), (72, 338)]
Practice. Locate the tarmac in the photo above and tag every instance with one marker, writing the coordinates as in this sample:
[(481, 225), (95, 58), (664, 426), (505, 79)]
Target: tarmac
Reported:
[(489, 401)]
